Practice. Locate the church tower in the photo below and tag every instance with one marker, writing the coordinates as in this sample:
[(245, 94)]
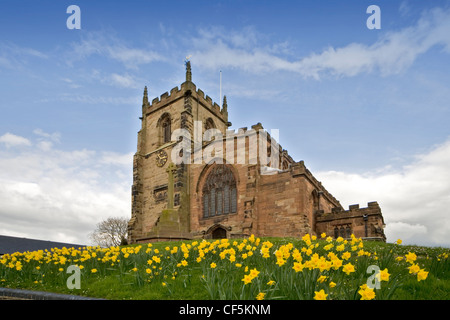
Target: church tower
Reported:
[(160, 190), (185, 186)]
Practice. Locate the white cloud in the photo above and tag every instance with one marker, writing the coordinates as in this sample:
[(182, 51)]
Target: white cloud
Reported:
[(88, 99), (216, 48), (409, 233), (392, 53), (125, 81), (132, 57), (98, 43), (14, 56), (47, 193), (115, 158), (414, 200), (46, 140), (55, 136), (12, 140)]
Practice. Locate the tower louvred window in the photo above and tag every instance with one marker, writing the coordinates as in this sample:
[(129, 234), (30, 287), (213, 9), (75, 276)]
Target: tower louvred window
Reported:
[(219, 192), (166, 130)]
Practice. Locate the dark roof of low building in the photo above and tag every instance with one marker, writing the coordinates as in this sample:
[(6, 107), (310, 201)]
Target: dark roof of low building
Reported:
[(14, 244)]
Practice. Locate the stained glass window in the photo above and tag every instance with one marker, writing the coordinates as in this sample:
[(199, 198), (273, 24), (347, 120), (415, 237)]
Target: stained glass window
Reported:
[(219, 192)]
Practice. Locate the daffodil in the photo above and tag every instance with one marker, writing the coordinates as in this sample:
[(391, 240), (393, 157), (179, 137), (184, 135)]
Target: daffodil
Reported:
[(346, 255), (383, 275), (410, 257), (280, 262), (348, 268), (298, 267), (366, 293), (414, 269), (336, 263), (422, 275), (320, 295), (254, 273), (260, 296), (247, 279)]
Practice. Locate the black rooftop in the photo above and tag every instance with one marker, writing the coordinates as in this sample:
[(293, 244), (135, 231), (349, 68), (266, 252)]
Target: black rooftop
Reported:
[(14, 244)]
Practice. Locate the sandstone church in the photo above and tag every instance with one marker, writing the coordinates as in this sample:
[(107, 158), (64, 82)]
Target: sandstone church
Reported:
[(195, 178)]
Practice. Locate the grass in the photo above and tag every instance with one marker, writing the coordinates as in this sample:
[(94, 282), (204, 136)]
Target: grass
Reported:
[(242, 269)]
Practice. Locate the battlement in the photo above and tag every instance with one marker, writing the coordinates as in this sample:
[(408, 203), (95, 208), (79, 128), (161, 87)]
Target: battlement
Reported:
[(207, 102), (354, 211), (187, 89), (255, 129), (367, 223), (165, 98)]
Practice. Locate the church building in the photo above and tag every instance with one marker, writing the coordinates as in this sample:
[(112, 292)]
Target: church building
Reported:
[(194, 178)]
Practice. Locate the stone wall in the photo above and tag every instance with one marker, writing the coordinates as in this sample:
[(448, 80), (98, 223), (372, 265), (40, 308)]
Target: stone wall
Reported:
[(362, 222)]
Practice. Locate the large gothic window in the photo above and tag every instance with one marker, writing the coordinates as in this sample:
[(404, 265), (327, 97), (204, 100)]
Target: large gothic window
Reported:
[(219, 192)]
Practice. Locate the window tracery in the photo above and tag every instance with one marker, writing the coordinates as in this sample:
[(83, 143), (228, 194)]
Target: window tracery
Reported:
[(219, 192), (165, 123)]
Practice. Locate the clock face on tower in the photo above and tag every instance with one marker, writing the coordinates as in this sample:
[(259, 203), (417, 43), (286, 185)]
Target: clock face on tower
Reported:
[(161, 158)]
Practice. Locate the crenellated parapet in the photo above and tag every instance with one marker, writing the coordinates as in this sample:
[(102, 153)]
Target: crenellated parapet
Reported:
[(365, 222), (177, 93)]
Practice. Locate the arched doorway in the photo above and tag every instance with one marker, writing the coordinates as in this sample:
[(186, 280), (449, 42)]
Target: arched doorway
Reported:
[(219, 233), (216, 231)]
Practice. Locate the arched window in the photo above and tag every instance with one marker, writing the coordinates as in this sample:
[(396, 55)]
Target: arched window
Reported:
[(165, 127), (219, 192), (336, 232), (209, 124), (342, 232), (348, 231)]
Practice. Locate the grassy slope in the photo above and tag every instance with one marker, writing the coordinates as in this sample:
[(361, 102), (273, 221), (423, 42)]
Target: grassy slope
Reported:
[(188, 284)]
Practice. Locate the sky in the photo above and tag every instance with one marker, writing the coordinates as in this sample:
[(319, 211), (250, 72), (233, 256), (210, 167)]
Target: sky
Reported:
[(366, 108)]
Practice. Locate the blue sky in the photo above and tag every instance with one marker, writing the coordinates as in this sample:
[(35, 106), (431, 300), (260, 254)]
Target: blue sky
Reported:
[(367, 110)]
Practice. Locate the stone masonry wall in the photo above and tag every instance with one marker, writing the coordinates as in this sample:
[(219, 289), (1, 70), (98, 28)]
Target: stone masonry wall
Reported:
[(363, 222)]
